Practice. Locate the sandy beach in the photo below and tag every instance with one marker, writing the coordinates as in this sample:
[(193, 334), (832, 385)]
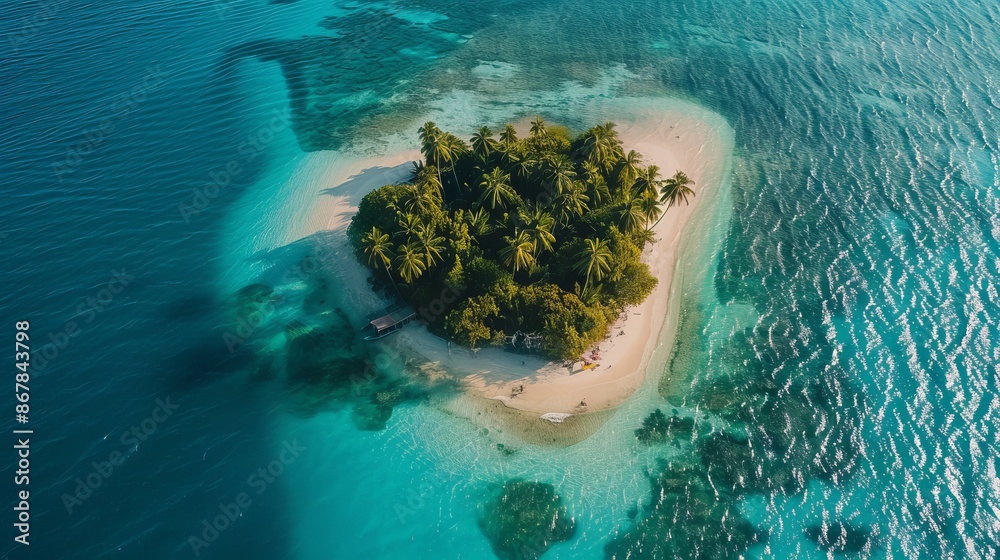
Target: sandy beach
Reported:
[(674, 138)]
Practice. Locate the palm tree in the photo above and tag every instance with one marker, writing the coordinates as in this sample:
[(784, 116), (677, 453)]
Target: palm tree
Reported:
[(573, 202), (676, 188), (496, 189), (598, 187), (629, 170), (410, 262), (559, 173), (377, 246), (427, 132), (650, 208), (417, 167), (519, 251), (410, 225), (538, 127), (608, 128), (430, 136), (479, 222), (449, 148), (648, 182), (424, 195), (590, 171), (643, 236), (594, 260), (589, 151), (427, 175), (600, 147), (594, 149), (633, 216), (539, 226), (483, 143), (518, 165), (599, 191), (432, 245), (413, 201), (508, 138)]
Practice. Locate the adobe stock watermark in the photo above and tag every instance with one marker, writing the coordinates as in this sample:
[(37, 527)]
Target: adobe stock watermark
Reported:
[(258, 482), (32, 25), (86, 311), (247, 151), (116, 112), (89, 483)]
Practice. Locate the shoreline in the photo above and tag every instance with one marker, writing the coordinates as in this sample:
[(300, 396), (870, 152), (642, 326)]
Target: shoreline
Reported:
[(670, 134)]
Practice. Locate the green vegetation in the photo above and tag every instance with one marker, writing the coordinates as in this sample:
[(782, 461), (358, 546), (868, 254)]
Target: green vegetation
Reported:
[(504, 235)]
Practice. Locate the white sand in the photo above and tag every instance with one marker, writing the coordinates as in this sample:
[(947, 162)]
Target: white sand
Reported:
[(340, 183), (671, 135), (328, 188)]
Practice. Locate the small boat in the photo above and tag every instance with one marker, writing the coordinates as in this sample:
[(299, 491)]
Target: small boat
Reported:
[(388, 321)]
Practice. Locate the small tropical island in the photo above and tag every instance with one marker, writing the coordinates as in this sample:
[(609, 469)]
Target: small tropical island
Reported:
[(532, 244)]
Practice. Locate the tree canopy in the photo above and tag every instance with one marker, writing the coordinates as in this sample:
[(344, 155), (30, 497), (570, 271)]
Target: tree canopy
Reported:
[(503, 235)]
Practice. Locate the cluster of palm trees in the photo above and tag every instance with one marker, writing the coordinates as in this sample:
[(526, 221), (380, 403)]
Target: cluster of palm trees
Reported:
[(417, 249), (571, 188), (409, 261), (440, 148), (522, 194), (594, 261)]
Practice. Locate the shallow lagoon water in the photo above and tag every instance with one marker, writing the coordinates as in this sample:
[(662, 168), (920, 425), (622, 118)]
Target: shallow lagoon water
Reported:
[(862, 252)]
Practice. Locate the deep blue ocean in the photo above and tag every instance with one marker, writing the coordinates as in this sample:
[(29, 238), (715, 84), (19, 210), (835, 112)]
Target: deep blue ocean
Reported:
[(845, 330)]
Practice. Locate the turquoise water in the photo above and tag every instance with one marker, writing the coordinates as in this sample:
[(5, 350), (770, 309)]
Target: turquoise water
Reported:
[(837, 320)]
